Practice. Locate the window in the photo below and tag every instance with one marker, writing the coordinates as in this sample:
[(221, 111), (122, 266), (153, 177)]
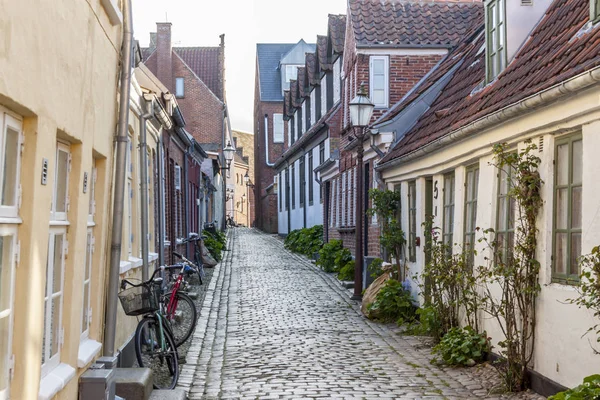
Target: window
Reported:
[(595, 10), (337, 69), (179, 87), (313, 106), (302, 171), (287, 189), (86, 317), (7, 281), (11, 138), (277, 128), (304, 118), (280, 190), (308, 112), (60, 199), (323, 95), (291, 73), (310, 179), (130, 195), (447, 234), (495, 40), (471, 187), (344, 205), (290, 129), (568, 168), (505, 230), (53, 300), (378, 81), (332, 204), (298, 115), (412, 221), (293, 185)]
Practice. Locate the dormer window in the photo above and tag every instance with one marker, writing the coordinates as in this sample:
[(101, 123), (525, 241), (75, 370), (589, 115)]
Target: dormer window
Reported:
[(495, 38), (290, 72)]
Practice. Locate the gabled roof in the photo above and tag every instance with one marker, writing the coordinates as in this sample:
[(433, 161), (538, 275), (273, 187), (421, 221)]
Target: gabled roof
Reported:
[(302, 82), (321, 53), (403, 23), (312, 69), (204, 61), (337, 32), (269, 55), (559, 48)]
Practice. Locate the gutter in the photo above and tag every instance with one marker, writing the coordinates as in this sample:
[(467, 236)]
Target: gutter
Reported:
[(121, 140), (530, 103)]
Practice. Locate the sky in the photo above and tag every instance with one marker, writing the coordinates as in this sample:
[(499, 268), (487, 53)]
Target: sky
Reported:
[(244, 23)]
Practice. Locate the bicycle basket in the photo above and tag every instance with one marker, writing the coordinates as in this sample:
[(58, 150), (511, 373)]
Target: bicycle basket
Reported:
[(140, 300)]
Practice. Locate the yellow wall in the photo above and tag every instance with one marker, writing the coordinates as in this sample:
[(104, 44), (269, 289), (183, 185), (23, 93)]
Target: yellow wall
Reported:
[(59, 72)]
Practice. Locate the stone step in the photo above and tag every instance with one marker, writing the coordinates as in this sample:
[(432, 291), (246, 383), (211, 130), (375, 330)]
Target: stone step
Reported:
[(175, 394), (133, 383)]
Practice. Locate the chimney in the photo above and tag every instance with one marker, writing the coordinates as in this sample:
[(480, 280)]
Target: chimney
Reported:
[(164, 71), (222, 68)]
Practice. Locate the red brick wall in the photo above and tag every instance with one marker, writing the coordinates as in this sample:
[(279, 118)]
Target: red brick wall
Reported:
[(173, 155), (202, 110)]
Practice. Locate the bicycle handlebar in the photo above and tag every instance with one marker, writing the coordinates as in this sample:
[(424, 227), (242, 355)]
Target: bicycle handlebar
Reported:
[(152, 280)]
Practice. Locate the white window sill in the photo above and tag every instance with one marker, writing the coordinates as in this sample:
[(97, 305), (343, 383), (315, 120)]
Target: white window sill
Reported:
[(88, 349), (152, 256), (59, 223), (136, 262), (124, 266), (11, 220), (131, 263), (55, 381)]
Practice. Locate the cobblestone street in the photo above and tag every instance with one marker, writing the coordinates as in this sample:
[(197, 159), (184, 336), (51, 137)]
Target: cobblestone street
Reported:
[(274, 326)]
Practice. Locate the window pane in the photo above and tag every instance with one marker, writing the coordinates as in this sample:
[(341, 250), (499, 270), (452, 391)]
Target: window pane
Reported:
[(4, 352), (562, 164), (576, 208), (62, 164), (86, 305), (378, 66), (57, 268), (502, 213), (9, 178), (500, 245), (575, 252), (512, 204), (562, 208), (500, 10), (577, 161), (561, 251), (378, 97), (504, 181), (5, 272), (55, 327), (378, 82), (469, 215)]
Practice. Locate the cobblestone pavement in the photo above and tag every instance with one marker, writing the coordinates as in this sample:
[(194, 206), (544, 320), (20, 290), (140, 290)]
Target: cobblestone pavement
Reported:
[(273, 326)]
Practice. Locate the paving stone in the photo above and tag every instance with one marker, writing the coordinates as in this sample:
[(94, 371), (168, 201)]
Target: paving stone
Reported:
[(274, 326)]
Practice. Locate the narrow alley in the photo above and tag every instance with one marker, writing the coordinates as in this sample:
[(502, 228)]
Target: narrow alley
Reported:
[(275, 326)]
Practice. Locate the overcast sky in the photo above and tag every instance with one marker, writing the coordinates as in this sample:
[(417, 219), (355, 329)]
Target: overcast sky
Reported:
[(245, 23)]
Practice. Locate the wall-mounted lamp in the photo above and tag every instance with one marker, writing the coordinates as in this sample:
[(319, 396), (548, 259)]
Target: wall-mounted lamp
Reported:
[(247, 180), (228, 152)]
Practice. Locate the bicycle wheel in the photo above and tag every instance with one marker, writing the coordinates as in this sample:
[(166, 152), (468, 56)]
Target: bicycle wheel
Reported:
[(182, 318), (161, 359)]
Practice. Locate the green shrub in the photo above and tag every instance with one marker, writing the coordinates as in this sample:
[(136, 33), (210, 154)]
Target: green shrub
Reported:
[(215, 243), (428, 323), (393, 303), (462, 347), (374, 268), (347, 272), (327, 255), (305, 241), (588, 390)]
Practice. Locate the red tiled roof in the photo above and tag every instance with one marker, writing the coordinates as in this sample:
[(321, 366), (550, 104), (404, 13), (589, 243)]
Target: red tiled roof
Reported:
[(399, 23), (554, 53), (301, 82), (204, 61), (294, 93), (312, 70), (150, 60), (337, 32)]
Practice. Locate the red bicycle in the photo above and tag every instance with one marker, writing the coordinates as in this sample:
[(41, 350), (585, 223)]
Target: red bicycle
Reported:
[(177, 307)]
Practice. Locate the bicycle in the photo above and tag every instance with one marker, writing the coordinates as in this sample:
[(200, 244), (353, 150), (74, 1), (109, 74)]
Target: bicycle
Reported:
[(154, 344), (177, 307), (197, 265)]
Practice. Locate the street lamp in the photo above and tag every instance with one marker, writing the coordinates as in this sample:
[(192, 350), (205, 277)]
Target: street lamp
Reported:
[(361, 111), (228, 152), (247, 180)]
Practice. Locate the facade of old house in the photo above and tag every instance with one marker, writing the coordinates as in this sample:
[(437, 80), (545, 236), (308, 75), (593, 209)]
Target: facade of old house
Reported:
[(244, 145), (538, 83), (195, 76), (311, 114), (388, 63)]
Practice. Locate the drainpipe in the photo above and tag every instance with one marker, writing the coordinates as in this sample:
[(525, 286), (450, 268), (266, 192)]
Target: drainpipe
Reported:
[(186, 203), (120, 168), (161, 199), (269, 164), (144, 193)]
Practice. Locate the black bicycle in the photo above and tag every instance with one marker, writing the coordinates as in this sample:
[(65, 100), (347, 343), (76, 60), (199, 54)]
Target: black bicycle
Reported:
[(154, 343), (197, 266)]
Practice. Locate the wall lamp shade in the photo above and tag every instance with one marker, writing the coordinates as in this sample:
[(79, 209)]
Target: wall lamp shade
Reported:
[(228, 152), (361, 109), (246, 178)]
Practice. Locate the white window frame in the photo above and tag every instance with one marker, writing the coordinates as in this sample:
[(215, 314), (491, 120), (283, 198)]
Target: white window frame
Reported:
[(56, 215), (337, 70), (289, 134), (92, 190), (9, 231), (179, 87), (303, 125), (130, 195), (52, 362), (344, 205), (495, 30), (313, 107), (87, 280), (9, 121), (323, 95), (278, 130), (386, 80), (333, 204)]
